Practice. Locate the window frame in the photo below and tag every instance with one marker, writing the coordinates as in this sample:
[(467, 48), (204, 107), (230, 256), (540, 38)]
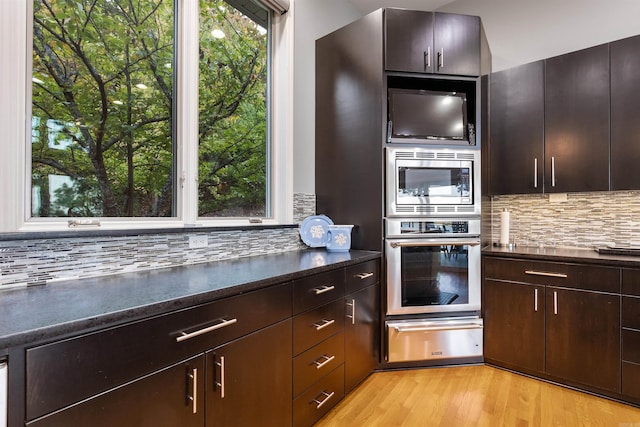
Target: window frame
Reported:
[(16, 19)]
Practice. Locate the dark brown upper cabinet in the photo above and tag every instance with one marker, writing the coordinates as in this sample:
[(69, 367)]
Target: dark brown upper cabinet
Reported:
[(428, 42), (625, 110), (577, 121), (516, 147)]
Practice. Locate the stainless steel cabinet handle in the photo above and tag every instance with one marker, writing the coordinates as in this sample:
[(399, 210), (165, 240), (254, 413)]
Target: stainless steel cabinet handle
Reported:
[(185, 336), (322, 289), (325, 359), (221, 382), (326, 396), (535, 172), (402, 329), (441, 58), (363, 276), (427, 58), (544, 273), (193, 376), (555, 302), (323, 324), (553, 171), (535, 300), (441, 242), (352, 304)]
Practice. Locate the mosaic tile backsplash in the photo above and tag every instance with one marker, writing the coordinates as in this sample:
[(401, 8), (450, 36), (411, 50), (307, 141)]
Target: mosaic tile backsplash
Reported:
[(583, 220), (35, 262)]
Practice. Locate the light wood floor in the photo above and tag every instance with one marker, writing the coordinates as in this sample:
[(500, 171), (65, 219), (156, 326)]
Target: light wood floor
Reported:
[(472, 396)]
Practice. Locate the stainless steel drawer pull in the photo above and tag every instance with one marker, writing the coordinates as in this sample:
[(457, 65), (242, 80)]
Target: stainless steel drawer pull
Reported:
[(323, 289), (535, 300), (352, 316), (553, 171), (363, 276), (535, 172), (186, 336), (326, 396), (441, 58), (325, 359), (193, 376), (555, 302), (544, 273), (221, 382), (323, 324)]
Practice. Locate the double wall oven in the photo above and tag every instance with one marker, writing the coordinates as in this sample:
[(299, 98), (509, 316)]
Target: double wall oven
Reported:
[(432, 252)]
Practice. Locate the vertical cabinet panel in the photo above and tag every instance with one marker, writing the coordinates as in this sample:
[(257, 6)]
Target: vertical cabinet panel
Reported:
[(516, 143), (625, 110), (250, 380), (162, 399), (457, 42), (577, 121), (583, 337), (514, 324), (362, 335), (409, 41)]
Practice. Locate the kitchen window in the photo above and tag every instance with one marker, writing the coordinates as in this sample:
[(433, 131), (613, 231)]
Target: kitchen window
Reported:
[(150, 113)]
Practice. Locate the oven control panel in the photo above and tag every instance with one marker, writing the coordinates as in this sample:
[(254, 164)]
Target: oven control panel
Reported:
[(432, 227)]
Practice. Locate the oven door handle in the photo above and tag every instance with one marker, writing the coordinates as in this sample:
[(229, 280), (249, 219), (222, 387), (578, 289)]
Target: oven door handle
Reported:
[(435, 243), (401, 329)]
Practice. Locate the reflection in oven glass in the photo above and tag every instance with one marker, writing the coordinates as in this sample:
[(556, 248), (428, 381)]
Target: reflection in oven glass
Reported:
[(434, 275)]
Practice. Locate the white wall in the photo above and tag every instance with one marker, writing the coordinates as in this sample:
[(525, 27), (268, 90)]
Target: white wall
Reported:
[(522, 31), (313, 19)]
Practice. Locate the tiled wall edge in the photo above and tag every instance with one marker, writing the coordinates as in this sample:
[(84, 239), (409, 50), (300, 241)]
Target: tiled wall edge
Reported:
[(583, 220), (34, 262)]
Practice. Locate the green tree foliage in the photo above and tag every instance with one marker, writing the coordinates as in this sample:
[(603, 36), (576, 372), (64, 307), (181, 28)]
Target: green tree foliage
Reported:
[(233, 133), (103, 102)]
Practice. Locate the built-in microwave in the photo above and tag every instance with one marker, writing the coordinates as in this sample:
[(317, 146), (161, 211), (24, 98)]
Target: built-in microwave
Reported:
[(432, 182)]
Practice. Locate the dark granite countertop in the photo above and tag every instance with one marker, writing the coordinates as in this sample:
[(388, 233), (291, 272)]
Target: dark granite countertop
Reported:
[(42, 312), (564, 254)]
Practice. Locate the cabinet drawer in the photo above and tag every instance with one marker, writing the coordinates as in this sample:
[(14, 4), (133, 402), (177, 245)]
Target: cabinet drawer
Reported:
[(631, 346), (314, 291), (631, 312), (362, 275), (589, 277), (68, 371), (631, 282), (317, 325), (319, 399), (631, 379), (316, 362)]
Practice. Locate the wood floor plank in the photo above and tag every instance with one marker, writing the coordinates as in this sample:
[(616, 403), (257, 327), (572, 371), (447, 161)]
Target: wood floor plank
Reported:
[(472, 396)]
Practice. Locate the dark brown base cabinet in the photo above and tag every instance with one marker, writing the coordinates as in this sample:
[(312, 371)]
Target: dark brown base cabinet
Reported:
[(274, 357), (559, 321)]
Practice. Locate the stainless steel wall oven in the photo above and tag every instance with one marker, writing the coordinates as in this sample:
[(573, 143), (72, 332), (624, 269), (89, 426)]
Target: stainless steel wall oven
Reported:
[(433, 266)]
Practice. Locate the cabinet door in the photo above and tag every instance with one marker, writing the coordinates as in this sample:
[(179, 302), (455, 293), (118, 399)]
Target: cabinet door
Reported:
[(409, 41), (516, 143), (249, 380), (362, 335), (514, 324), (457, 44), (577, 121), (171, 397), (583, 337), (625, 110)]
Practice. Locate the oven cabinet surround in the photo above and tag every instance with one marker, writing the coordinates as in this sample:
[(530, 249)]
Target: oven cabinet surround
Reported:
[(432, 42), (351, 110), (565, 320), (564, 124), (205, 364)]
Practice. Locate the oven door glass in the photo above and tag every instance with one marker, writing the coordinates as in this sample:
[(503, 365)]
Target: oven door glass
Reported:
[(441, 184), (427, 276)]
